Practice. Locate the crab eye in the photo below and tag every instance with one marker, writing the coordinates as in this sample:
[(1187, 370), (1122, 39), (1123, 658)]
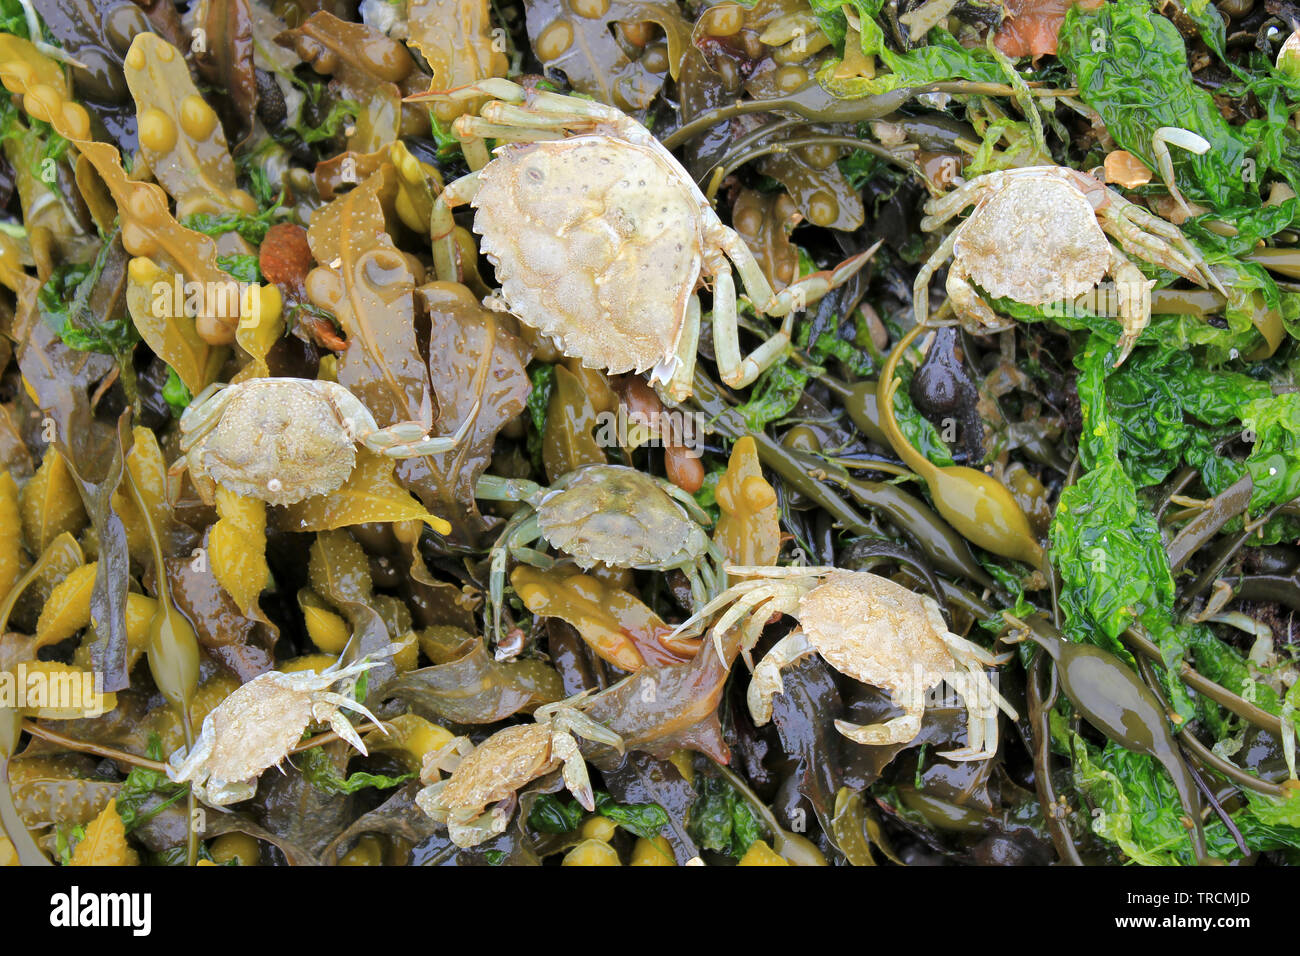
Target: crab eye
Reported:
[(534, 174), (275, 486)]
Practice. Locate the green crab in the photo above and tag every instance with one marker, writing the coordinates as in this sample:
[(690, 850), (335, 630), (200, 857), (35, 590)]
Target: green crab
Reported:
[(256, 726), (286, 439), (600, 239), (1041, 234), (871, 629), (492, 772), (604, 514)]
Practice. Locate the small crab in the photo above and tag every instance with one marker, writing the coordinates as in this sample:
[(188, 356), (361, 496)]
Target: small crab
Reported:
[(255, 727), (493, 771), (599, 238), (868, 628), (1039, 234), (286, 439), (604, 514)]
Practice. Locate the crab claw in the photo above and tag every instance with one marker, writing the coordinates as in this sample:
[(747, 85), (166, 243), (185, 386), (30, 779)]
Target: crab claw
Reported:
[(574, 771), (1134, 302), (568, 718), (765, 685)]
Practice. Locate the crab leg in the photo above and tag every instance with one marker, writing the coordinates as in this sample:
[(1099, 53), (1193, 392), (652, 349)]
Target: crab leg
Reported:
[(710, 572), (199, 418), (759, 571), (203, 412), (442, 225), (742, 609), (531, 98), (482, 827), (1185, 139), (564, 715), (981, 698), (476, 155), (699, 590), (530, 120), (196, 412), (737, 370), (1137, 241), (921, 288), (750, 633), (543, 110), (533, 557), (522, 531), (810, 288), (496, 488), (524, 114), (180, 770), (718, 603), (475, 127), (799, 294), (981, 725), (495, 87), (339, 723), (781, 598), (445, 759), (687, 501), (982, 703), (1135, 227), (969, 654), (411, 440), (942, 208)]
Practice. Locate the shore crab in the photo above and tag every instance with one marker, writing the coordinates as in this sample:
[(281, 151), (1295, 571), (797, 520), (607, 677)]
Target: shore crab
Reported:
[(286, 439), (1039, 234), (868, 628), (492, 772), (599, 238), (255, 727), (604, 514)]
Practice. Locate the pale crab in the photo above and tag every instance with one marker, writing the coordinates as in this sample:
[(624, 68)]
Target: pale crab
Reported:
[(599, 238), (492, 772), (256, 726), (872, 630), (1038, 234), (604, 514), (286, 439)]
